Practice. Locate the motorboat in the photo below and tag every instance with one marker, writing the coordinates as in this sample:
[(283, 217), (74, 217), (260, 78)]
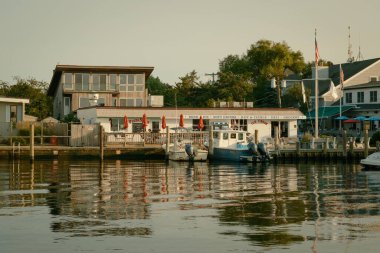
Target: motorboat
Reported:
[(372, 161), (183, 149), (235, 145)]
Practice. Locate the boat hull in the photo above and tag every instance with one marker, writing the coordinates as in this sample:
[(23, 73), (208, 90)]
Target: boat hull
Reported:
[(372, 161), (227, 154), (181, 155)]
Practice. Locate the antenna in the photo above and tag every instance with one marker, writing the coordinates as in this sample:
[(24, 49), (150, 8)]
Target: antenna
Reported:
[(350, 57), (360, 55), (213, 76)]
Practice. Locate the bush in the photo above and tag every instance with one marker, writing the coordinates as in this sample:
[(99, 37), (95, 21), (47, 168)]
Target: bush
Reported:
[(375, 137)]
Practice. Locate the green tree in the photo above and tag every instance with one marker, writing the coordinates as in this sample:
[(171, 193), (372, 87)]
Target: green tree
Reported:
[(157, 87), (40, 105), (293, 97), (265, 60)]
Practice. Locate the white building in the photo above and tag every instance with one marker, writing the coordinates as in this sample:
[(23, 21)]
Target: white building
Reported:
[(250, 119)]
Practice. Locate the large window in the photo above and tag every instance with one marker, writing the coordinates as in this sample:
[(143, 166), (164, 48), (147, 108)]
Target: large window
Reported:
[(348, 98), (112, 81), (68, 82), (139, 102), (84, 102), (95, 82), (239, 124), (373, 96), (86, 82), (360, 97), (123, 102), (130, 102), (123, 82), (103, 82), (78, 82)]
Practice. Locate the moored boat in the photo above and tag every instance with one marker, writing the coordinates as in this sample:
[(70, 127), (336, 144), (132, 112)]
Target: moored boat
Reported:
[(233, 145), (372, 161)]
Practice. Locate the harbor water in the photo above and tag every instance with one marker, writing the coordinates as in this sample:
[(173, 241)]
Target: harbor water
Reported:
[(153, 206)]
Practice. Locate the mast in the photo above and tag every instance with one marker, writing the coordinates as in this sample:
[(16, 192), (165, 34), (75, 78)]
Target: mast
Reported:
[(316, 86)]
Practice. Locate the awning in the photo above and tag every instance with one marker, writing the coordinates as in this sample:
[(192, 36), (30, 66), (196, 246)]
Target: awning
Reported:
[(328, 111)]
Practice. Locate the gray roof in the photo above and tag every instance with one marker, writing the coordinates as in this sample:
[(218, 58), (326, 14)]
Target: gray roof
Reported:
[(364, 85)]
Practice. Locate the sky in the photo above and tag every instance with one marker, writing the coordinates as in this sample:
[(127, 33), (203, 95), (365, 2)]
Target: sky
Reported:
[(175, 36)]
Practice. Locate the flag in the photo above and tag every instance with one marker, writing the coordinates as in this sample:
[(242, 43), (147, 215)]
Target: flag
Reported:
[(303, 92), (333, 90), (316, 52), (341, 75)]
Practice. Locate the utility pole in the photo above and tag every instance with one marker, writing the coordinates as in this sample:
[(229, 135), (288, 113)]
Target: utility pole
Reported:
[(213, 76)]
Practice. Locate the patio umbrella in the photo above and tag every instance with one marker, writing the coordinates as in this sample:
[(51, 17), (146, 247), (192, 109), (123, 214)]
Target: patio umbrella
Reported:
[(144, 121), (125, 122), (351, 121), (163, 122), (181, 121), (342, 118), (360, 118), (373, 118), (200, 123)]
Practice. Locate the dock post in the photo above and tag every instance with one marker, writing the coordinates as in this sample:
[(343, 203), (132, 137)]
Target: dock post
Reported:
[(276, 140), (31, 142), (325, 145), (298, 149), (210, 142), (366, 142), (167, 141), (344, 143), (256, 136), (101, 144)]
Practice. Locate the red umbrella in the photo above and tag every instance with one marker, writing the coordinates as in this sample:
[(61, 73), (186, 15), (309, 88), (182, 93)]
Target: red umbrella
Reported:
[(200, 124), (351, 121), (163, 122), (125, 122), (144, 121), (181, 121)]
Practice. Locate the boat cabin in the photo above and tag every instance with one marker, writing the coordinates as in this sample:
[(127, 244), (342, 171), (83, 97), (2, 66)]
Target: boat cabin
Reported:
[(229, 138)]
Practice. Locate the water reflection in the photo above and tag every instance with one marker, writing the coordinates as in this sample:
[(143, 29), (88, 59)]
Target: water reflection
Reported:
[(266, 205)]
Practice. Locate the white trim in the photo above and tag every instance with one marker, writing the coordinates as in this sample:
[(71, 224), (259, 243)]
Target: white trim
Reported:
[(14, 100)]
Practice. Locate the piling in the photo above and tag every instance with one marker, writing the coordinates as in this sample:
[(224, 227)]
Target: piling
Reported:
[(167, 141), (366, 142), (256, 136), (210, 142), (31, 142), (101, 144), (344, 136), (276, 139)]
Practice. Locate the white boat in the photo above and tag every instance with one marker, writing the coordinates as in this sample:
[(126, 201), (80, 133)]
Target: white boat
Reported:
[(185, 150), (233, 145), (372, 161)]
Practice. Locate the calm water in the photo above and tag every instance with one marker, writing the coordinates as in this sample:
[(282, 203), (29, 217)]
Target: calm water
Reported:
[(121, 206)]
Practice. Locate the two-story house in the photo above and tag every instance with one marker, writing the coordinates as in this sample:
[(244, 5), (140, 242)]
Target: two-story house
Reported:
[(74, 87)]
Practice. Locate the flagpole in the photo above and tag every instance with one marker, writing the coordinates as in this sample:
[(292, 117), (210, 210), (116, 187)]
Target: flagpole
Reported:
[(316, 86), (341, 95)]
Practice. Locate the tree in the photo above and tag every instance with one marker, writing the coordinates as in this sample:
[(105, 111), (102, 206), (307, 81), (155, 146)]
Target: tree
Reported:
[(264, 60), (293, 97), (40, 105), (156, 87)]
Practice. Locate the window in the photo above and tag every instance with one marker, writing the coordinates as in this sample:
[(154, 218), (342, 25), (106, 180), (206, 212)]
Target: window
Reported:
[(140, 79), (78, 82), (348, 98), (130, 102), (240, 136), (233, 135), (112, 81), (360, 97), (139, 87), (215, 135), (139, 102), (84, 102), (68, 84), (67, 106), (131, 82), (123, 102), (101, 101), (123, 82), (86, 82), (225, 136), (373, 78), (103, 82), (95, 82), (373, 96)]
